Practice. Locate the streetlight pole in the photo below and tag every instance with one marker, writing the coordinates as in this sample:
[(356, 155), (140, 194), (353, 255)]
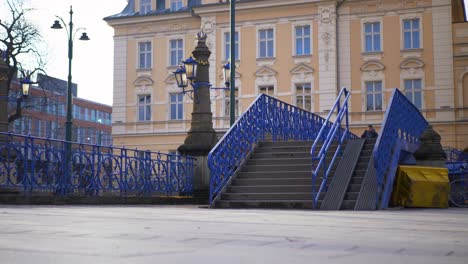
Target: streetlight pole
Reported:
[(69, 122), (232, 110), (71, 35)]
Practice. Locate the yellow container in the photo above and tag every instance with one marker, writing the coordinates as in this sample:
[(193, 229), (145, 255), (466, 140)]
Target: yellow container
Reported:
[(418, 186)]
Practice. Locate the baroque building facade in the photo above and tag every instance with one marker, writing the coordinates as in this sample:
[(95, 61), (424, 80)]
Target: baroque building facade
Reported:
[(300, 51)]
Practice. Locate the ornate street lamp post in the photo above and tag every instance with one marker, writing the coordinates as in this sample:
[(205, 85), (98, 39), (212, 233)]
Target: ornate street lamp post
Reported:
[(201, 137), (71, 35)]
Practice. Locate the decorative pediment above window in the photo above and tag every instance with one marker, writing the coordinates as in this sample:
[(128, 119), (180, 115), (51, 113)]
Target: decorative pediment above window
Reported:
[(411, 63), (170, 79), (265, 71), (143, 81), (372, 66), (302, 68)]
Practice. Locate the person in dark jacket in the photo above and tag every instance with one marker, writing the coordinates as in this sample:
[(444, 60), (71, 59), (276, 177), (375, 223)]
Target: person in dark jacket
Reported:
[(369, 132)]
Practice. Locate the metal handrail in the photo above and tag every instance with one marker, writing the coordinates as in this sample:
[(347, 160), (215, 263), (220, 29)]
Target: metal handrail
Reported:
[(266, 115), (38, 164), (332, 135)]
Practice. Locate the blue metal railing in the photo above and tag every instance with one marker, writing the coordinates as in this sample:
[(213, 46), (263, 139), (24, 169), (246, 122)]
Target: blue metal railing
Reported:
[(39, 164), (266, 115), (330, 132), (454, 155), (401, 128)]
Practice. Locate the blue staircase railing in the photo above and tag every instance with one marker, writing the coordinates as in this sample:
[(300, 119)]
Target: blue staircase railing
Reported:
[(330, 133), (34, 164), (266, 115), (401, 128)]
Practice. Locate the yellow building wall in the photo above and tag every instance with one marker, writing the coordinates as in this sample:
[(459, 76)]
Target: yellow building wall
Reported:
[(163, 134)]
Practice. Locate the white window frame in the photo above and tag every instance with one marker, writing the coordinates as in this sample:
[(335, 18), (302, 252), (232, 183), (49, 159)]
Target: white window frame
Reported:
[(421, 90), (294, 37), (227, 53), (421, 31), (145, 7), (178, 4), (373, 93), (363, 35), (145, 105), (303, 95), (258, 42), (260, 87), (170, 51), (177, 103), (150, 53)]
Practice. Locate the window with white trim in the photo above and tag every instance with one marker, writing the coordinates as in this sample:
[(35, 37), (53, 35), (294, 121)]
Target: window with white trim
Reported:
[(177, 106), (145, 6), (304, 96), (413, 91), (302, 40), (374, 96), (144, 55), (176, 5), (411, 33), (144, 107), (266, 43), (227, 45), (372, 37), (268, 90), (176, 51)]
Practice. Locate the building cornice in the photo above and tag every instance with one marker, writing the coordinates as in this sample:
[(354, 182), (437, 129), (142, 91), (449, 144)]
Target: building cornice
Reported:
[(249, 5), (134, 19)]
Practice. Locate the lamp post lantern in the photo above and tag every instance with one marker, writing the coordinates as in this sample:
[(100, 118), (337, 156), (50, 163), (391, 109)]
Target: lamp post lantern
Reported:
[(71, 35)]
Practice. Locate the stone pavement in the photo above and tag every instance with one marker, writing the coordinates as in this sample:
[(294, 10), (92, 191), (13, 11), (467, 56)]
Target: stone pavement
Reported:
[(187, 234)]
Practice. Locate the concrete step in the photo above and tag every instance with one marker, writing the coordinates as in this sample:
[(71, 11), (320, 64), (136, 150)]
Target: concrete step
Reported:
[(354, 188), (275, 167), (273, 204), (286, 154), (270, 189), (266, 196), (285, 143), (356, 180), (283, 149), (280, 161), (348, 205), (271, 181), (351, 196), (275, 174)]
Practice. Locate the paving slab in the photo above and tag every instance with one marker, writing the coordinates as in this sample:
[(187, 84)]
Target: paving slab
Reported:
[(188, 234)]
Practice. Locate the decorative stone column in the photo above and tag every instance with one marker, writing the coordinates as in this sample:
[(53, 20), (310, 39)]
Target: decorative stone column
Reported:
[(430, 152), (3, 99), (201, 137)]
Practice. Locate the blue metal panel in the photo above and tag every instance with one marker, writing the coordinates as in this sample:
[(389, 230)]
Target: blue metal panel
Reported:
[(401, 128)]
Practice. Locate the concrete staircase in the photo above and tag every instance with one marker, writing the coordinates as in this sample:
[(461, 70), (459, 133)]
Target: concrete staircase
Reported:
[(277, 175)]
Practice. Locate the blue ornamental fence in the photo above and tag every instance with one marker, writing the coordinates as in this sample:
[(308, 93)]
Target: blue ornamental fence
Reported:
[(35, 165), (401, 128), (266, 115), (326, 136)]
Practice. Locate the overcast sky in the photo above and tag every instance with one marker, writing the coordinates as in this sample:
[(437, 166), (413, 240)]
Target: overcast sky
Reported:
[(92, 66)]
